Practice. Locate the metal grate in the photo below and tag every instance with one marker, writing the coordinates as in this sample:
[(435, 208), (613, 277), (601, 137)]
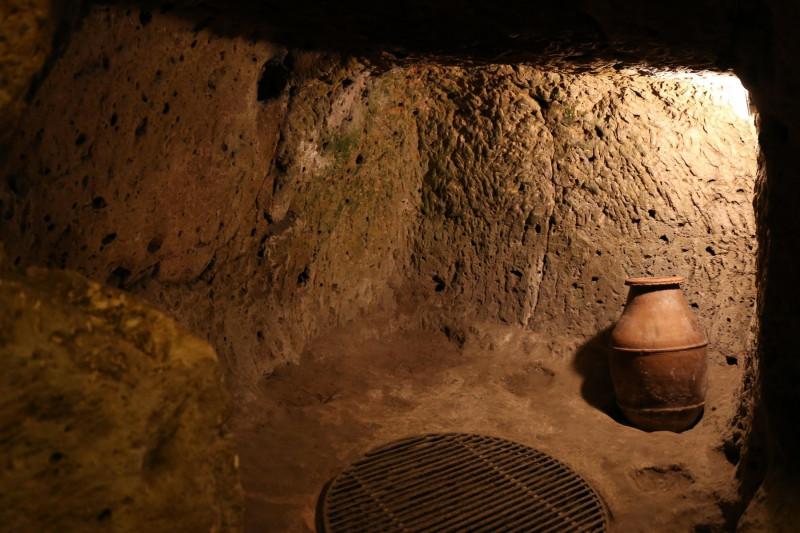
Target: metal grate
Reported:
[(460, 482)]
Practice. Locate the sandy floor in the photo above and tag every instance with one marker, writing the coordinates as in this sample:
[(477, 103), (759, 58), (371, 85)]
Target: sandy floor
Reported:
[(309, 421)]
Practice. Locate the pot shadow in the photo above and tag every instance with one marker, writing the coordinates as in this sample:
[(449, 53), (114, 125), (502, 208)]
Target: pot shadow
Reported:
[(591, 362)]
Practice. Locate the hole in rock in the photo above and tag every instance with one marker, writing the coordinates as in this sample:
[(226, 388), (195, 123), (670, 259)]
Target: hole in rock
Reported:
[(273, 80), (154, 245), (303, 277)]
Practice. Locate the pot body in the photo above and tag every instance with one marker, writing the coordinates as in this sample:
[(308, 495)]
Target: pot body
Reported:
[(658, 357)]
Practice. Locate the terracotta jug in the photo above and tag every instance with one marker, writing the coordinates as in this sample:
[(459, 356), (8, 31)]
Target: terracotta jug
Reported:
[(658, 357)]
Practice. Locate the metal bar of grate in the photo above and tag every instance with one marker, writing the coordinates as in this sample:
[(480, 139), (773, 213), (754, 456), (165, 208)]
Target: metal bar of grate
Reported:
[(458, 482), (520, 501), (402, 493), (505, 495), (425, 477)]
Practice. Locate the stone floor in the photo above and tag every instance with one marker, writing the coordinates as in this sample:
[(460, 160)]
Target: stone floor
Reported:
[(350, 393)]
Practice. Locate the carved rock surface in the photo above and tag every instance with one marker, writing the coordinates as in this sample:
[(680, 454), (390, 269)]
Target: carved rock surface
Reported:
[(542, 192), (111, 414), (26, 32), (263, 195)]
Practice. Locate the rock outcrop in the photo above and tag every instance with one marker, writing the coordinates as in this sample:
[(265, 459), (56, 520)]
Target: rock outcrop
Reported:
[(112, 416)]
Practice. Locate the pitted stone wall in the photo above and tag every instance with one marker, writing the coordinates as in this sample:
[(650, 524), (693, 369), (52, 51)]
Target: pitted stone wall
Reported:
[(262, 195)]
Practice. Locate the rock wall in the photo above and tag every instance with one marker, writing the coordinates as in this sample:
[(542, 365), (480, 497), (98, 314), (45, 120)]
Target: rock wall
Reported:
[(261, 195), (203, 168), (168, 159), (26, 35), (543, 192), (32, 34), (111, 415), (769, 53)]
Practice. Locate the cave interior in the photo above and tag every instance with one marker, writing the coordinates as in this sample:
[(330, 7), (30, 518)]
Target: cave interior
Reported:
[(245, 242)]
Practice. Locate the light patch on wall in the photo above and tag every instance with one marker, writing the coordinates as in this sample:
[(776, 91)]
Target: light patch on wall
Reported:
[(725, 89), (735, 95)]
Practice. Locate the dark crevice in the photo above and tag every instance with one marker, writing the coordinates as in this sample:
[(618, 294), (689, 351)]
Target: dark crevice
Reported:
[(273, 80)]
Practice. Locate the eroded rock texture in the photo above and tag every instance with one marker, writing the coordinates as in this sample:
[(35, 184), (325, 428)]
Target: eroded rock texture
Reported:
[(25, 40), (111, 414), (543, 192), (28, 29), (262, 196)]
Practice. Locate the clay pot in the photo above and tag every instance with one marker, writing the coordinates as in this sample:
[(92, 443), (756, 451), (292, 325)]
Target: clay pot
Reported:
[(658, 357)]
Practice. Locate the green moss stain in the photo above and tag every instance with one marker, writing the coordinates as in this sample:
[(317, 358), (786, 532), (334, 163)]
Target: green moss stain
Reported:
[(340, 146), (349, 194)]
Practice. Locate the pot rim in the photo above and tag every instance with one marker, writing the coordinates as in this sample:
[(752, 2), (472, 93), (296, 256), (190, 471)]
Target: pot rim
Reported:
[(650, 281)]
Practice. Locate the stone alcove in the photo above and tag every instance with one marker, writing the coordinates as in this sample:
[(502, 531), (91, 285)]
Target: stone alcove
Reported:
[(266, 196)]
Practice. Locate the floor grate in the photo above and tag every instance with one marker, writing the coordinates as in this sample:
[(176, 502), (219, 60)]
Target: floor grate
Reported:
[(460, 482)]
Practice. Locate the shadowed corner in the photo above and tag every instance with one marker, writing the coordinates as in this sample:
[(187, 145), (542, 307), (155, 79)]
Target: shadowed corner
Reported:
[(591, 363), (319, 518)]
